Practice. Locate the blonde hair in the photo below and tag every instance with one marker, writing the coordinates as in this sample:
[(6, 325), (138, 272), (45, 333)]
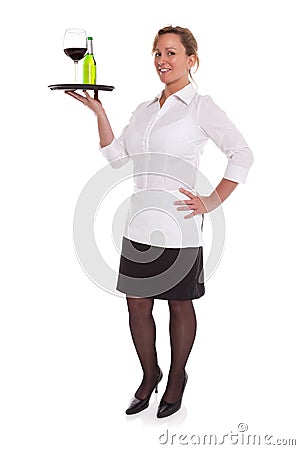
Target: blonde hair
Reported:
[(187, 39)]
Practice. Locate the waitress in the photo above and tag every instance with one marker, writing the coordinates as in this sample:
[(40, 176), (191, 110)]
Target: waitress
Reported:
[(162, 246)]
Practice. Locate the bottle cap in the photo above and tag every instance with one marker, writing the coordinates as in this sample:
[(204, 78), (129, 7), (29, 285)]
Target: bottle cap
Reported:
[(90, 38)]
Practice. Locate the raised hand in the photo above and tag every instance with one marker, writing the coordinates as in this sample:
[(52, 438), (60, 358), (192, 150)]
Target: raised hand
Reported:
[(93, 104)]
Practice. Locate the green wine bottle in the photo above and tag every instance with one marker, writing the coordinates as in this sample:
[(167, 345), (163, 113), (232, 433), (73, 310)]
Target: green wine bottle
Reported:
[(89, 64)]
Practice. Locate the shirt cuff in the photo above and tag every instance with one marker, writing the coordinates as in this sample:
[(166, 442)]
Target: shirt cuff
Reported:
[(110, 151), (236, 173)]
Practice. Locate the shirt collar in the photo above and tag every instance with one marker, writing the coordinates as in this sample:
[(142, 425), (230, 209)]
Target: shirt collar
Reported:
[(185, 94)]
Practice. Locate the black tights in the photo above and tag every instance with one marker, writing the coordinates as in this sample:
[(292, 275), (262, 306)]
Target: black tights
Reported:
[(182, 330)]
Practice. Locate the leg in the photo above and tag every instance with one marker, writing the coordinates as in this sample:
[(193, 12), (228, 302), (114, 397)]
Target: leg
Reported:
[(182, 329), (143, 332)]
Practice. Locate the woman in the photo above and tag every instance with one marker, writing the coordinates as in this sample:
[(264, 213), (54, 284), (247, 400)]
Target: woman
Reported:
[(167, 133)]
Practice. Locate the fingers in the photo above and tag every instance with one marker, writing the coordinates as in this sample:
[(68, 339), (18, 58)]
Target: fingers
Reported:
[(91, 98), (190, 215), (188, 204), (73, 94), (183, 202), (87, 94), (188, 193), (185, 208), (78, 96)]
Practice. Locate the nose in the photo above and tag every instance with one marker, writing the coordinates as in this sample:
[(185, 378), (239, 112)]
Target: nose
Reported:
[(160, 60)]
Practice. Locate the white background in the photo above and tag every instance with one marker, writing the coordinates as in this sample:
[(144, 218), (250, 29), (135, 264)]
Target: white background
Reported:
[(68, 366)]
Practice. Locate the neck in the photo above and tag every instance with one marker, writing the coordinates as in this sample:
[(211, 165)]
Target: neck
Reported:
[(170, 89)]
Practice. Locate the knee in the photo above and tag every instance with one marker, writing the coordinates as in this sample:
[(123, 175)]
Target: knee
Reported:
[(139, 306), (180, 307)]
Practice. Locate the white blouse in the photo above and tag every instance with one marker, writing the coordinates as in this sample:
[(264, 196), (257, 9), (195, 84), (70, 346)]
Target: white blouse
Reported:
[(165, 144)]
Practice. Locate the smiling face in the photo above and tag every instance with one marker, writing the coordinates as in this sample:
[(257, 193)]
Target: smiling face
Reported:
[(171, 61)]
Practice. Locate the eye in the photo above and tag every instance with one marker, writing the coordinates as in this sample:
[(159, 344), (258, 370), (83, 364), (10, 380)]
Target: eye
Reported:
[(157, 54), (171, 53)]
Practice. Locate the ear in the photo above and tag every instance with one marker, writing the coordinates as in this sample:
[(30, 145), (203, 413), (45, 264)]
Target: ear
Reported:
[(192, 61)]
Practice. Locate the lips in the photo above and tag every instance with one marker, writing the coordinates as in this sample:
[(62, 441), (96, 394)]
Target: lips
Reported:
[(164, 70)]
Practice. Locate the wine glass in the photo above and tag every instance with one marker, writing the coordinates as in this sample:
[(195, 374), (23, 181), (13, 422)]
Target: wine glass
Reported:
[(75, 46)]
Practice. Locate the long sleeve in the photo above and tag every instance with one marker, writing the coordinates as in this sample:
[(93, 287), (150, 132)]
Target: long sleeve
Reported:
[(218, 127), (115, 151)]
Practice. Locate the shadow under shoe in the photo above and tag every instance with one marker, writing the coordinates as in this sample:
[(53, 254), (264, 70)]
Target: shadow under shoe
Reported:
[(137, 405), (166, 409)]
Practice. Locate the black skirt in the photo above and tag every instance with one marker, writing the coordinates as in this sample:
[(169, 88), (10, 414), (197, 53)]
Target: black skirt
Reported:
[(160, 272)]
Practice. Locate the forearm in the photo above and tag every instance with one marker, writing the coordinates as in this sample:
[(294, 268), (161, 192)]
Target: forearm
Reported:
[(106, 134), (222, 191)]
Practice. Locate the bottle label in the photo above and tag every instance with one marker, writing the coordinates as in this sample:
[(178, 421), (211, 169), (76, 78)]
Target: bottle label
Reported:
[(89, 70)]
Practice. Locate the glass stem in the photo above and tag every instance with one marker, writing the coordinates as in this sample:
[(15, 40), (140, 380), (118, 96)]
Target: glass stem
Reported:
[(76, 70)]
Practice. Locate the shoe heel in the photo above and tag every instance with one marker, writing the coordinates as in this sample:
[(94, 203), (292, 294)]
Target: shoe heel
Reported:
[(159, 379), (137, 405)]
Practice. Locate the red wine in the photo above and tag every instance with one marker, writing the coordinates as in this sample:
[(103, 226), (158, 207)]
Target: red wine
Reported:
[(75, 53)]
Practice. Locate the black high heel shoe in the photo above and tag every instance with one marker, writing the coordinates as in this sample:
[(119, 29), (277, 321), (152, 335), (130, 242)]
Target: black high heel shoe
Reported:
[(137, 405), (166, 409)]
